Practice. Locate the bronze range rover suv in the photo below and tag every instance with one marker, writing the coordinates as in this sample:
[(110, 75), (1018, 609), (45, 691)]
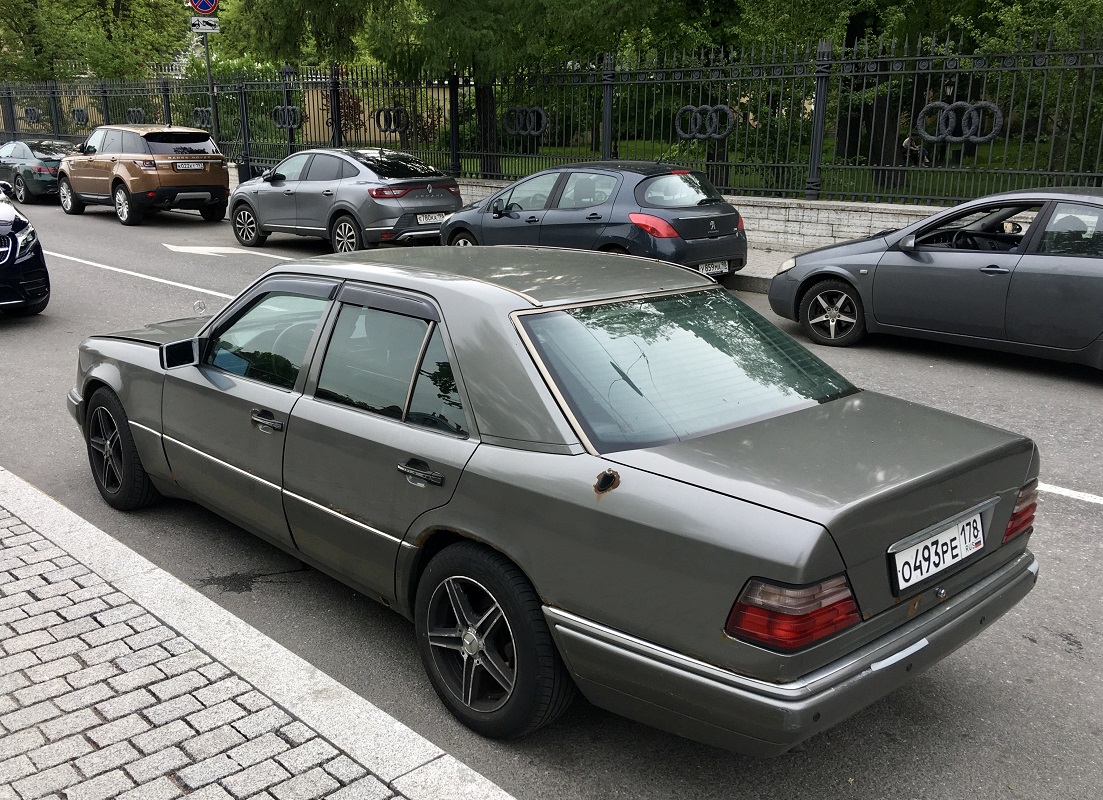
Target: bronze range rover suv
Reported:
[(139, 168)]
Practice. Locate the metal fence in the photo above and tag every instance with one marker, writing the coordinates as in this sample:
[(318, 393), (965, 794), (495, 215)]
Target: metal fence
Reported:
[(918, 122)]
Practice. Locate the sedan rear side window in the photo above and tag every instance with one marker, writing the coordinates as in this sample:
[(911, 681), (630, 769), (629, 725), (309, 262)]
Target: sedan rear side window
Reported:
[(646, 372), (179, 143), (269, 342)]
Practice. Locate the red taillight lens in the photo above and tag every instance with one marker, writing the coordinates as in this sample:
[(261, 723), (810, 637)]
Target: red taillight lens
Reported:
[(1022, 518), (454, 190), (146, 164), (41, 170), (679, 172), (387, 193), (659, 228), (791, 617), (740, 222)]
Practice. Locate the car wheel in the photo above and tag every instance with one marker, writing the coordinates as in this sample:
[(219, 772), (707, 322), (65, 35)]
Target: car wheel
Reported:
[(214, 213), (22, 193), (463, 239), (345, 236), (116, 468), (126, 211), (831, 313), (485, 644), (246, 228), (70, 203), (30, 309)]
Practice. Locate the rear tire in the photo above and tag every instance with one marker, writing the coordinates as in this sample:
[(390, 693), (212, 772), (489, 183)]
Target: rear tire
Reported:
[(125, 210), (215, 213), (22, 193), (345, 235), (831, 313), (246, 227), (485, 644), (70, 202), (112, 455)]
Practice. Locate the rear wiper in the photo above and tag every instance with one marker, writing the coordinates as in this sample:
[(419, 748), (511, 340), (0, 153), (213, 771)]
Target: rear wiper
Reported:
[(708, 200)]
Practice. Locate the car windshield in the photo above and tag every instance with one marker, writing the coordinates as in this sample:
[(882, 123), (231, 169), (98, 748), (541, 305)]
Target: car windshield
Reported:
[(51, 151), (645, 372), (680, 189), (180, 143), (392, 164)]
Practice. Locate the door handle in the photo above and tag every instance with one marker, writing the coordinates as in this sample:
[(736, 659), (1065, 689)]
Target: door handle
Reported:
[(531, 220), (265, 421), (992, 269), (593, 216), (327, 193), (288, 192), (419, 469)]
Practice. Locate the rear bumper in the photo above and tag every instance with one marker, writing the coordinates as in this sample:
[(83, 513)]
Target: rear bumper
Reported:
[(688, 697), (405, 228), (181, 196)]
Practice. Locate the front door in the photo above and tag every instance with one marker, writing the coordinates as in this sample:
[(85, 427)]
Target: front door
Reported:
[(581, 212), (82, 166), (379, 437), (225, 420), (276, 197), (522, 207), (317, 193)]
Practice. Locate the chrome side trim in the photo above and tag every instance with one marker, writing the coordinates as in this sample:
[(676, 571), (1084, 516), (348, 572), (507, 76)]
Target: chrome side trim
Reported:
[(220, 462), (343, 517), (147, 429), (888, 662)]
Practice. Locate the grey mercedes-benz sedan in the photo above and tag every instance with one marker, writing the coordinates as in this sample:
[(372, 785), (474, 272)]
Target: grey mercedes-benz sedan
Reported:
[(577, 471)]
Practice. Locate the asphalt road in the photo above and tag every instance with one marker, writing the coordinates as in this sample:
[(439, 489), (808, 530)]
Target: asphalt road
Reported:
[(1017, 713)]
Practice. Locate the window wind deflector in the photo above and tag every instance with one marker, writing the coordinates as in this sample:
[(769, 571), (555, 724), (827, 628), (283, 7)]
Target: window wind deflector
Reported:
[(386, 301)]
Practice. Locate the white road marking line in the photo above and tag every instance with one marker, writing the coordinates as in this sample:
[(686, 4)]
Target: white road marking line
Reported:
[(221, 252), (418, 769), (1075, 495), (139, 275)]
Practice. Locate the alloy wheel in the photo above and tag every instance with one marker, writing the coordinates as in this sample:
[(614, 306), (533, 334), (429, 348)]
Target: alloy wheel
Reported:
[(833, 314), (472, 644), (65, 195), (344, 237), (245, 225), (122, 204), (20, 190), (103, 439)]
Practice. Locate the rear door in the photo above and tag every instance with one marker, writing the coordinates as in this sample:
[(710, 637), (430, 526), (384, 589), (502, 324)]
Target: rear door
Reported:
[(522, 209), (380, 437), (225, 420), (580, 212), (1057, 290)]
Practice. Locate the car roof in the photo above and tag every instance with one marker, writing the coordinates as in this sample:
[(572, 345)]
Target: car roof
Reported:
[(1048, 193), (645, 168), (528, 276), (142, 130)]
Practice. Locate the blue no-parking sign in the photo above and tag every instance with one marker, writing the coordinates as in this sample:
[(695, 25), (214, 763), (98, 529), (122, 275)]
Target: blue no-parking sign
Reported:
[(204, 6)]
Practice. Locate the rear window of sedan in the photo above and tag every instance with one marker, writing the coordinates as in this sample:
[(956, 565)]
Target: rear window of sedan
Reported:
[(392, 164), (181, 143), (649, 371), (49, 151), (681, 189)]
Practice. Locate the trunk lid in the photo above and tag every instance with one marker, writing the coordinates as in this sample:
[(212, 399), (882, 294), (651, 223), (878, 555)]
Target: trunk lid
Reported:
[(872, 469), (700, 222), (427, 195)]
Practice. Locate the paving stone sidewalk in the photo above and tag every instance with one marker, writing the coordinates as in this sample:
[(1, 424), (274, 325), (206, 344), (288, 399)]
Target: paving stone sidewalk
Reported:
[(99, 699)]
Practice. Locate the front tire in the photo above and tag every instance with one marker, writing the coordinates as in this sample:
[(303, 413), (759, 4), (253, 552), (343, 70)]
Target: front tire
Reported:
[(345, 235), (112, 455), (125, 210), (246, 227), (215, 213), (22, 193), (485, 644), (463, 239), (70, 202), (831, 314)]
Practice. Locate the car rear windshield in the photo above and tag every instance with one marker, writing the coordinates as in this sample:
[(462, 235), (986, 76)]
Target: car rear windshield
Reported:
[(51, 151), (646, 372), (677, 190), (181, 143), (392, 164)]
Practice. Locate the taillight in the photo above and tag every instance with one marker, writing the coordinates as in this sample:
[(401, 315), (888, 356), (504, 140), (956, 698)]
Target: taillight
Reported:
[(1022, 518), (655, 226), (387, 193), (454, 190), (740, 226), (41, 170), (679, 172), (791, 617), (146, 164)]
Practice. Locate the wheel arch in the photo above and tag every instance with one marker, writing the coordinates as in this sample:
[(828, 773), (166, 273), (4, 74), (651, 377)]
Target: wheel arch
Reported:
[(821, 276), (343, 211), (452, 234)]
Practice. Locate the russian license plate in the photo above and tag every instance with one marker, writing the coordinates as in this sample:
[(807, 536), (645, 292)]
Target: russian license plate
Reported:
[(938, 552), (430, 219), (186, 165), (713, 267)]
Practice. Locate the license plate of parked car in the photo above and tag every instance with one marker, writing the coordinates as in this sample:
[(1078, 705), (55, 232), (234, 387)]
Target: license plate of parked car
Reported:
[(939, 552), (186, 165), (713, 267), (429, 219)]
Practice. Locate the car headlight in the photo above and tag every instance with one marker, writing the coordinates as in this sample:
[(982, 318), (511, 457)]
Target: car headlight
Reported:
[(26, 238), (786, 265)]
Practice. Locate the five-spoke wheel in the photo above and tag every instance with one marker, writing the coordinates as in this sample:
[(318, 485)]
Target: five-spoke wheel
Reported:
[(831, 313), (116, 467)]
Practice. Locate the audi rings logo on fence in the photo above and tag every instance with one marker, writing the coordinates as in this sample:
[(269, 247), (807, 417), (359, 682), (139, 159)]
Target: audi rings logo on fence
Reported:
[(287, 117), (32, 115), (392, 120), (135, 116), (80, 117), (704, 122), (202, 116), (972, 121), (525, 120)]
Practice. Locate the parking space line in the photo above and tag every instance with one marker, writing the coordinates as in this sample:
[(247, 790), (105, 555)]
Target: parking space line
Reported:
[(1075, 495), (139, 275)]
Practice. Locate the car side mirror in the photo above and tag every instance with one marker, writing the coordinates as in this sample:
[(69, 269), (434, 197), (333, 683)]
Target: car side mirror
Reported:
[(266, 176), (180, 354), (907, 243), (6, 188), (497, 208), (80, 148)]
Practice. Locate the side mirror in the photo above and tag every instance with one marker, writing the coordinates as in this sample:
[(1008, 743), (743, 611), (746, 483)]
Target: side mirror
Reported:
[(907, 243), (6, 188), (266, 176), (80, 148), (180, 354), (497, 208)]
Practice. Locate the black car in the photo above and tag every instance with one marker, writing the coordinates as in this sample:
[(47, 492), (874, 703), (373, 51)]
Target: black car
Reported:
[(24, 281), (639, 207), (31, 167)]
